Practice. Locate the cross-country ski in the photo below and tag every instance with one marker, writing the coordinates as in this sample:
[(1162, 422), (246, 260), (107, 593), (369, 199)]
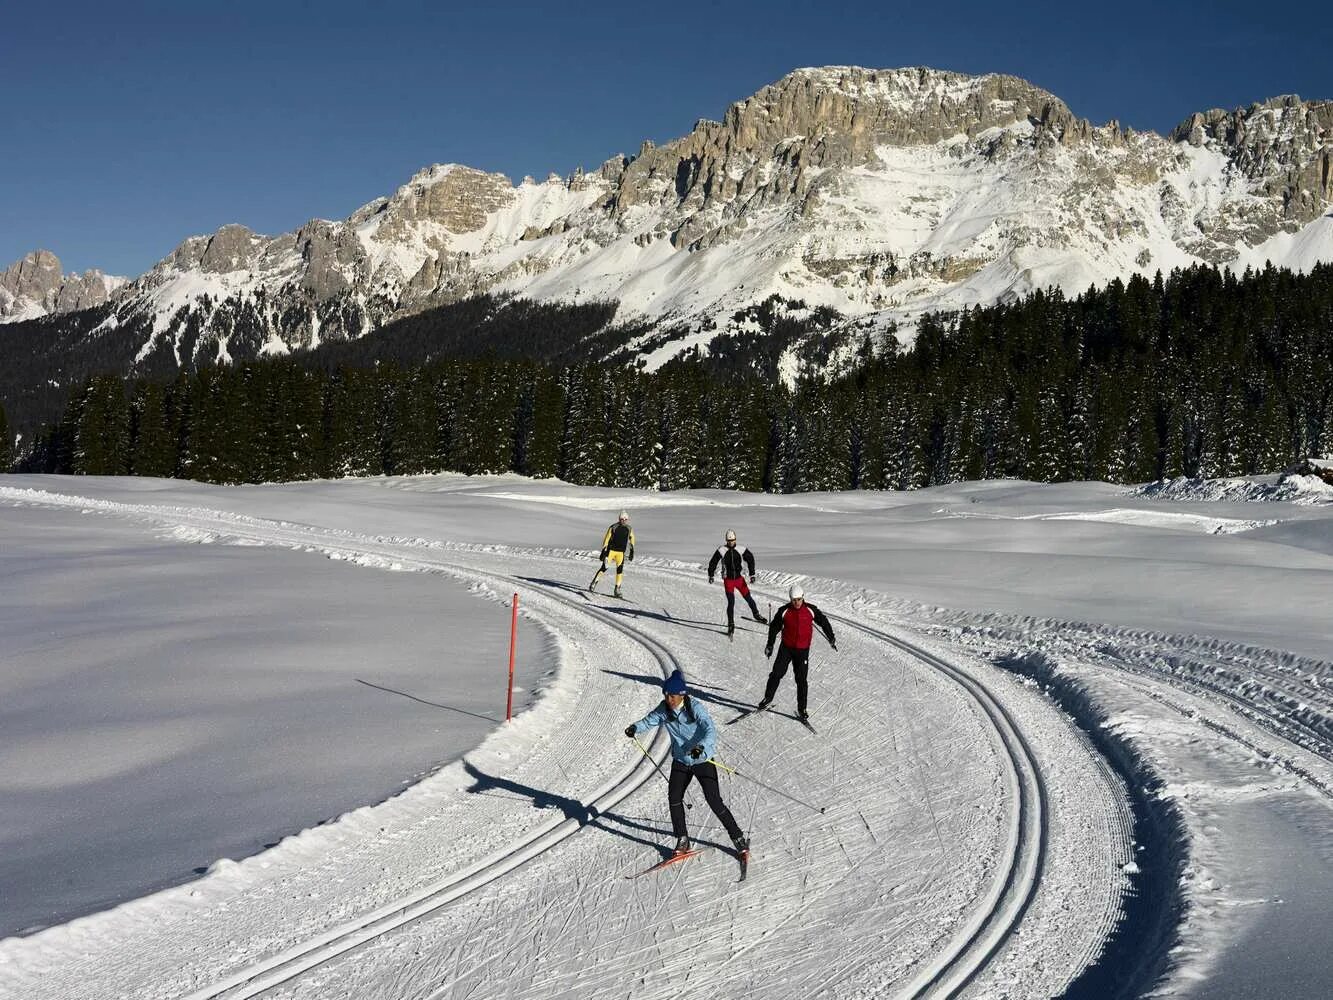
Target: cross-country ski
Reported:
[(675, 858)]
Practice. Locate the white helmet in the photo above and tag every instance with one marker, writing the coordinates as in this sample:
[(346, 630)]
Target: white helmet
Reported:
[(624, 516), (731, 535), (795, 592)]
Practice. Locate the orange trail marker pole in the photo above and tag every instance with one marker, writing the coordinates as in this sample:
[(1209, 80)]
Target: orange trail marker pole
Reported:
[(513, 642)]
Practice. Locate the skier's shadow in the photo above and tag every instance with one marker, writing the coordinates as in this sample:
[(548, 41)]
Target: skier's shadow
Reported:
[(696, 690), (666, 617), (541, 581), (612, 823)]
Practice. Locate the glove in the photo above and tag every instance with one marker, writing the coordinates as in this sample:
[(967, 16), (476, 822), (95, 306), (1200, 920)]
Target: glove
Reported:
[(768, 650), (696, 752), (629, 731), (605, 553), (752, 578), (710, 577), (631, 555)]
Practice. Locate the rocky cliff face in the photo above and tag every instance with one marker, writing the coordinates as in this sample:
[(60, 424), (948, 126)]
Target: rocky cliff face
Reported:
[(36, 286), (878, 193)]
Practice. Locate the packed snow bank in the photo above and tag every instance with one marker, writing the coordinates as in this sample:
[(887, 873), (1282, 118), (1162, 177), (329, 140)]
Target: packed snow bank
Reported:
[(1292, 488)]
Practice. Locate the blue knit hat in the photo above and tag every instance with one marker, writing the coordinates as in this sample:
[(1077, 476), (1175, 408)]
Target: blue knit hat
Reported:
[(675, 684)]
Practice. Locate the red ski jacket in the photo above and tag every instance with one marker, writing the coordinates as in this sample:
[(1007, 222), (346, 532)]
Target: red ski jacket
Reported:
[(798, 625)]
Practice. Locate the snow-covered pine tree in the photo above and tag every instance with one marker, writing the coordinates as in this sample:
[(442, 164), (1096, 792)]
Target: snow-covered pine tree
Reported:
[(680, 428), (414, 421), (540, 415), (6, 443), (485, 411), (352, 426), (153, 432), (102, 434)]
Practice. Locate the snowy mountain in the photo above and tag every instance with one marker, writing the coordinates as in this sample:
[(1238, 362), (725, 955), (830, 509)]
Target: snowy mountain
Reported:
[(36, 286), (878, 193)]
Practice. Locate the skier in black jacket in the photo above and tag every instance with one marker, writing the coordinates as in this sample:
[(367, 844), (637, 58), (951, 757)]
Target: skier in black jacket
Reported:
[(730, 556), (617, 543)]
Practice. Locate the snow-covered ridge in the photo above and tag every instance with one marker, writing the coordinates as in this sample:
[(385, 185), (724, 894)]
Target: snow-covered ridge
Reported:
[(881, 194), (1294, 488)]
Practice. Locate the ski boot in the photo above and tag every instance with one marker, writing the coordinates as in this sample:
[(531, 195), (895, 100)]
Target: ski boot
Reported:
[(742, 845), (760, 618), (731, 629), (617, 592), (683, 845)]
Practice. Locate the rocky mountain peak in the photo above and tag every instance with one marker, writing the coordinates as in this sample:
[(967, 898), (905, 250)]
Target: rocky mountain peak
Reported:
[(876, 193), (456, 197), (1283, 145), (36, 286)]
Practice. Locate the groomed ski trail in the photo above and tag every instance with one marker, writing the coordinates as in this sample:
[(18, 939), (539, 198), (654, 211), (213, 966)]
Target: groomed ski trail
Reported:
[(1001, 863)]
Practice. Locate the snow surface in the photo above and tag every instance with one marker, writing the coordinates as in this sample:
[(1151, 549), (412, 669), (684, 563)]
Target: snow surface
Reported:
[(235, 696), (1207, 645)]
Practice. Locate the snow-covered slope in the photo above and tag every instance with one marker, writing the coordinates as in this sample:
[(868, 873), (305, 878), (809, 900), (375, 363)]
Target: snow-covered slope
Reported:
[(878, 193), (955, 812)]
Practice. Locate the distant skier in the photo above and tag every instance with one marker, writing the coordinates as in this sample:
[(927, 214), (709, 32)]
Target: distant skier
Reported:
[(731, 556), (693, 739), (796, 621), (617, 543)]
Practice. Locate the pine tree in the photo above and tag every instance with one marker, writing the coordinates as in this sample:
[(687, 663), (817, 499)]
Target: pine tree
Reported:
[(538, 426), (6, 443), (154, 437), (102, 434)]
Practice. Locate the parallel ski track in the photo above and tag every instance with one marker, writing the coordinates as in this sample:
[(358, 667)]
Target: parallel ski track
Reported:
[(945, 975), (950, 972), (979, 940)]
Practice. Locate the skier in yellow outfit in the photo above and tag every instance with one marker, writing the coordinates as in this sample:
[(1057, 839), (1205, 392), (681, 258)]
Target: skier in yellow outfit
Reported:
[(617, 543)]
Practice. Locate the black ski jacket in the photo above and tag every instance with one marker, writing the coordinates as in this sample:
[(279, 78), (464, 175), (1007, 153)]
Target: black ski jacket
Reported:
[(618, 538), (730, 558)]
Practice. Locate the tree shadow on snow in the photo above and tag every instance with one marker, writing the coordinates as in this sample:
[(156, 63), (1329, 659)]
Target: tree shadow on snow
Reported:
[(613, 823)]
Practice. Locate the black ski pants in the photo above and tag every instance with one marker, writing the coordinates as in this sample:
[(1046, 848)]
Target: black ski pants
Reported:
[(707, 775), (799, 659)]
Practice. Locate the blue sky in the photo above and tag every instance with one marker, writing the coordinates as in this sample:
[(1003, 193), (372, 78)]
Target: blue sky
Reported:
[(127, 127)]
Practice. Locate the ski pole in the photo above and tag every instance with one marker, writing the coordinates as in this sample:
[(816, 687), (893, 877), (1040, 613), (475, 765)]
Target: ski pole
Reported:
[(776, 791), (658, 767)]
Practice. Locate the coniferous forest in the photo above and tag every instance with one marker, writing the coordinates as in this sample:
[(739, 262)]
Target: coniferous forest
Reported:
[(1204, 373)]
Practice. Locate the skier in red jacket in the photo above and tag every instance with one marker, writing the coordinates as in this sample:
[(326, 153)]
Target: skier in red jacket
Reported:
[(796, 621)]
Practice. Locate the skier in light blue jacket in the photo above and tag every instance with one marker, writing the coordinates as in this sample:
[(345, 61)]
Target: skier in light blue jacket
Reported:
[(693, 739)]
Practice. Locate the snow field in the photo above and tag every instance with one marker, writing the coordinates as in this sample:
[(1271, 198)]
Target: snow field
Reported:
[(856, 900), (1254, 793)]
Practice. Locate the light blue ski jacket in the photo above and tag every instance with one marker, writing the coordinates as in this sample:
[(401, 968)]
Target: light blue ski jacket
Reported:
[(691, 727)]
